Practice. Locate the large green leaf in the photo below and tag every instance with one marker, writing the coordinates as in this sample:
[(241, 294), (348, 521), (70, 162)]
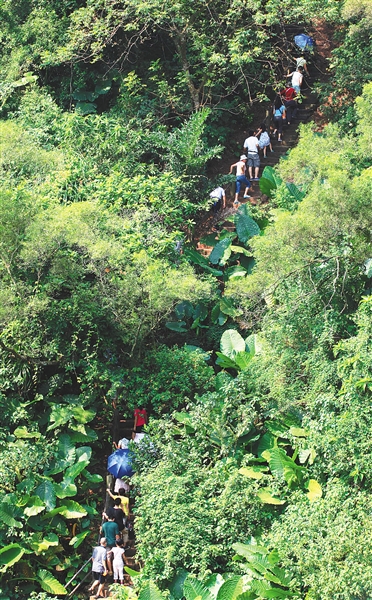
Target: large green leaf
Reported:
[(231, 343), (50, 584), (179, 326), (72, 510), (295, 192), (65, 489), (10, 554), (72, 472), (231, 589), (34, 506), (225, 362), (269, 181), (266, 497), (221, 252), (8, 513), (200, 260), (176, 585), (83, 453), (46, 493), (315, 490), (246, 227), (66, 448), (22, 432), (150, 592), (193, 588), (252, 472), (82, 415), (243, 359), (228, 308), (79, 538), (266, 442)]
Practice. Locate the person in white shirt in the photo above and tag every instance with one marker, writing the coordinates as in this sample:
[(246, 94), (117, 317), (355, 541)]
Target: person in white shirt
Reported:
[(241, 178), (219, 197), (297, 78), (251, 145)]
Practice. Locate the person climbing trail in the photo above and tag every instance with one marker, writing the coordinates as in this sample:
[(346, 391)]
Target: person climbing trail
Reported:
[(289, 95), (297, 79), (279, 115), (241, 178), (118, 554), (219, 197), (264, 140), (251, 146), (99, 568), (140, 420)]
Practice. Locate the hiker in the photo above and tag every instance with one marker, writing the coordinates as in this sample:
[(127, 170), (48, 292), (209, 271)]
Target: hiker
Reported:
[(124, 500), (219, 197), (99, 568), (122, 444), (112, 533), (118, 554), (279, 115), (289, 100), (241, 178), (251, 145), (119, 517), (297, 78), (140, 420), (301, 62), (120, 483), (264, 140)]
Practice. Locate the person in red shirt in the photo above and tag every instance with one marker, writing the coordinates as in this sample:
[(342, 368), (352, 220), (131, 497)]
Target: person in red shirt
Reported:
[(289, 98), (140, 419)]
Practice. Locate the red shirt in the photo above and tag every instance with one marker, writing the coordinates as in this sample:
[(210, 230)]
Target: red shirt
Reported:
[(141, 416), (288, 94)]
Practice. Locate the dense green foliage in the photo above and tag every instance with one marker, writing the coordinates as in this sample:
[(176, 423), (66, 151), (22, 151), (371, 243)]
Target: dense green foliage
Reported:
[(254, 363)]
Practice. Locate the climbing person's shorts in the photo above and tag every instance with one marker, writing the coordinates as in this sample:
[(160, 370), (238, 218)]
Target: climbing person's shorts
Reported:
[(242, 180), (253, 159), (99, 576)]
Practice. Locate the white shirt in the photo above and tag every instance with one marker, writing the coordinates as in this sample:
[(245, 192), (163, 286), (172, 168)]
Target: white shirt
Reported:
[(217, 193), (251, 144), (296, 79)]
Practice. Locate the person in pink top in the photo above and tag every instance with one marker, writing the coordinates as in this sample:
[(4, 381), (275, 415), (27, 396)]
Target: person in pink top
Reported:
[(140, 420)]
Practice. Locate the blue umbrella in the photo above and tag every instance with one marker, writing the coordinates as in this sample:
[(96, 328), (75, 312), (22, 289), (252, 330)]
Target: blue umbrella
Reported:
[(304, 42), (119, 464)]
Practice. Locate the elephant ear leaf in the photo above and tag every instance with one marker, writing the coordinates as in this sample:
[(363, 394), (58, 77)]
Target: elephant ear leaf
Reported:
[(231, 589), (46, 493), (232, 343), (11, 554), (150, 592), (50, 584), (221, 252), (315, 490), (267, 498), (246, 227), (8, 514), (193, 589), (269, 181)]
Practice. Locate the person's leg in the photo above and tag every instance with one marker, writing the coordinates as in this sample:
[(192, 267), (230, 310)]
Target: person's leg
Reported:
[(256, 171), (121, 574), (237, 190), (95, 582), (109, 560)]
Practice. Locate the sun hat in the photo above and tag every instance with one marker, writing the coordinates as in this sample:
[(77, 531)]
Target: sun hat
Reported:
[(243, 157)]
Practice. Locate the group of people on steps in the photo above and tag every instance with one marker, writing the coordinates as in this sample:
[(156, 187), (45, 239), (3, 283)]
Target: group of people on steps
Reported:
[(108, 558), (284, 110)]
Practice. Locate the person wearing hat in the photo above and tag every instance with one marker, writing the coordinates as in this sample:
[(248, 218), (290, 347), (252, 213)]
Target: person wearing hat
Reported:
[(241, 178)]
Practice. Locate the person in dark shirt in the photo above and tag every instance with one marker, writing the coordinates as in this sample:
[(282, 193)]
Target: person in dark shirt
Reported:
[(111, 532)]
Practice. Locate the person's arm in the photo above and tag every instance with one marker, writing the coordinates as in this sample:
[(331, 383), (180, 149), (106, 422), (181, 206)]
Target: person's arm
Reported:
[(223, 199), (231, 168), (135, 422), (111, 494)]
